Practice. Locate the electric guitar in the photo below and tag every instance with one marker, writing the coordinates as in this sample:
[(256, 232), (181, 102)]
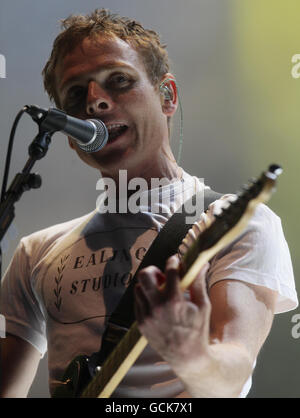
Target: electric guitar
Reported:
[(222, 230)]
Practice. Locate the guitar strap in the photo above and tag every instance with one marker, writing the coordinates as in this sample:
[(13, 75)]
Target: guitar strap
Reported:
[(165, 245)]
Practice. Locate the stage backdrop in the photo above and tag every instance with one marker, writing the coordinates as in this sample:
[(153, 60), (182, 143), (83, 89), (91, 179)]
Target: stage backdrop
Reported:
[(240, 93)]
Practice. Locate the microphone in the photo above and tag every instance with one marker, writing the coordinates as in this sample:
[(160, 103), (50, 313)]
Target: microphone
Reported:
[(91, 135)]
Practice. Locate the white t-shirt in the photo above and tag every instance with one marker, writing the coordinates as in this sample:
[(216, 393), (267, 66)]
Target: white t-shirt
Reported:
[(64, 281)]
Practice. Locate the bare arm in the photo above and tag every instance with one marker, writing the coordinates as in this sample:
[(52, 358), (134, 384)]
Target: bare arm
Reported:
[(211, 342), (241, 319), (19, 361)]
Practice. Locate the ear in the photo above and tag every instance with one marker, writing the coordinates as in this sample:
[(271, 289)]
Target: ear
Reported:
[(169, 94)]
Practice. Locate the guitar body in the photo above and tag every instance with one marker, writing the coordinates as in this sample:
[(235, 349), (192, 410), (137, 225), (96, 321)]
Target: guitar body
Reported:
[(75, 378)]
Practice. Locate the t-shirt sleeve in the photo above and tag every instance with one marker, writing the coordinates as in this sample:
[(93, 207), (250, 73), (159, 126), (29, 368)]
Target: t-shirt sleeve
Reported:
[(19, 305), (259, 256)]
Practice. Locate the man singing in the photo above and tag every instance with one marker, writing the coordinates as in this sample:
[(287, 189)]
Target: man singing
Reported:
[(65, 281)]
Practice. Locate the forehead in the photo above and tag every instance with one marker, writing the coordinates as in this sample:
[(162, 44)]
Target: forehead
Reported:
[(92, 54)]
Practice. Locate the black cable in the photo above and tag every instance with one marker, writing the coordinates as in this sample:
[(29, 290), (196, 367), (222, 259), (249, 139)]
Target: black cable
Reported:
[(9, 151)]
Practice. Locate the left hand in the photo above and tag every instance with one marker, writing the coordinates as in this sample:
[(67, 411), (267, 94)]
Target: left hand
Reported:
[(177, 328)]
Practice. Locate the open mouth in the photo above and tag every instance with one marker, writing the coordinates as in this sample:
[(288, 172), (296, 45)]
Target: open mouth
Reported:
[(115, 131)]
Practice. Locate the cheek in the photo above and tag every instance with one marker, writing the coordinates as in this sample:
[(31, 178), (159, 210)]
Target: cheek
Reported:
[(143, 101)]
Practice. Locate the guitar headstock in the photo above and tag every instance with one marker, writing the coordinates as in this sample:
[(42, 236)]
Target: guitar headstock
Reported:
[(238, 212), (257, 191), (264, 186)]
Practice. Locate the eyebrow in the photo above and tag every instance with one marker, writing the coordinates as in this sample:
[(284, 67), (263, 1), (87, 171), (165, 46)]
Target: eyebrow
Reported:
[(103, 68)]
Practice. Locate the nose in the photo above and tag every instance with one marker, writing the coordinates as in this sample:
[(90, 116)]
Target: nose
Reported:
[(97, 100)]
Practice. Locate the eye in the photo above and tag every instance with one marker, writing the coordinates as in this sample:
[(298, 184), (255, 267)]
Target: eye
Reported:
[(120, 78), (119, 81), (75, 92), (74, 98)]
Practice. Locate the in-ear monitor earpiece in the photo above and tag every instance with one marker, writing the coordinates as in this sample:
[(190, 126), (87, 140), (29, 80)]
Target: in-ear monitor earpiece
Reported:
[(168, 95), (167, 92)]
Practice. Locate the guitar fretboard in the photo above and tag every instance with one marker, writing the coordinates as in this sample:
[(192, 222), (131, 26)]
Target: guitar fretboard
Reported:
[(120, 357)]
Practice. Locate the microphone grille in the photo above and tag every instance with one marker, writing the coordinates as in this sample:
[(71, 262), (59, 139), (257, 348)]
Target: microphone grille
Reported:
[(99, 139)]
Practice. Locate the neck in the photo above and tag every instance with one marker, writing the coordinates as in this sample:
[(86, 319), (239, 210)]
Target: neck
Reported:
[(161, 166)]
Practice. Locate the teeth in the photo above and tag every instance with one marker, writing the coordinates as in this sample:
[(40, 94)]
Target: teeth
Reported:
[(114, 126)]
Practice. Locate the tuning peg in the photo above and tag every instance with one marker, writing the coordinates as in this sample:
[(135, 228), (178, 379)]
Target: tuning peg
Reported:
[(275, 169), (246, 187), (243, 191), (273, 172), (253, 180)]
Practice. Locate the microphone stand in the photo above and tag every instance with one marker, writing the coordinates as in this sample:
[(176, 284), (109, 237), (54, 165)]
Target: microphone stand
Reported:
[(22, 182)]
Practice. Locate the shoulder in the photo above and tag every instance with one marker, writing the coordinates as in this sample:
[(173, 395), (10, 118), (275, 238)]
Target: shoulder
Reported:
[(38, 242), (263, 231)]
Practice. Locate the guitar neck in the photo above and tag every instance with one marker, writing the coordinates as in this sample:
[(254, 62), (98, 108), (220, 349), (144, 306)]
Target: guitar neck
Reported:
[(116, 365)]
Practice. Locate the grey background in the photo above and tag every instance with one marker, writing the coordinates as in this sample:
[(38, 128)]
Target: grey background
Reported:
[(202, 48)]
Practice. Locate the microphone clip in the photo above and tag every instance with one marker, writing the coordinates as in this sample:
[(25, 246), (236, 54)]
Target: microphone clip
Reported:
[(37, 113), (39, 146), (51, 120)]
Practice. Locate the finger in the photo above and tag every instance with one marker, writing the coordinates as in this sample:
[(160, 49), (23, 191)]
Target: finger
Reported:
[(198, 289), (173, 262), (148, 279), (172, 290)]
